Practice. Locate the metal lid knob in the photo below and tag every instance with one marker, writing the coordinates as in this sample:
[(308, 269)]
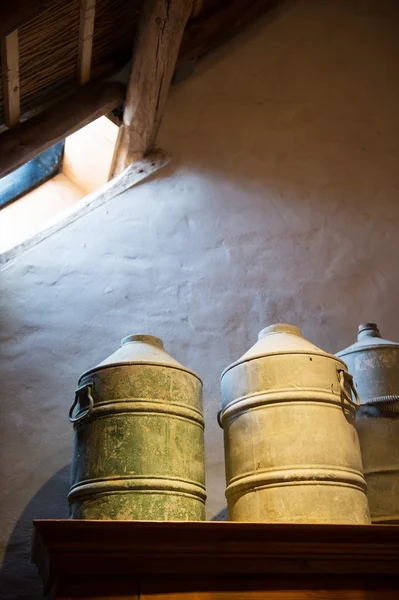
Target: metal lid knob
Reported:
[(142, 337), (368, 330), (279, 328)]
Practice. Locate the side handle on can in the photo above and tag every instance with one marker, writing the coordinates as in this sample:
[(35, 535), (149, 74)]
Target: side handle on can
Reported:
[(85, 389), (346, 378)]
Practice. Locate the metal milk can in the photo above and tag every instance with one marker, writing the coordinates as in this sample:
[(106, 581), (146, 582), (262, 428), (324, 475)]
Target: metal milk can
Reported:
[(374, 364), (138, 438), (291, 447)]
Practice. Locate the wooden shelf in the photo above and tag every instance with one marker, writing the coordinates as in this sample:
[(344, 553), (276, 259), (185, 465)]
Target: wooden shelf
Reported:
[(127, 559)]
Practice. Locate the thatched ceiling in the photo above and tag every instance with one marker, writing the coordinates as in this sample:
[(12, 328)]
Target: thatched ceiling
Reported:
[(51, 48)]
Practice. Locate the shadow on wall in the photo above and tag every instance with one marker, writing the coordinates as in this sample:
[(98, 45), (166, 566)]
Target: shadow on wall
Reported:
[(221, 515), (18, 577)]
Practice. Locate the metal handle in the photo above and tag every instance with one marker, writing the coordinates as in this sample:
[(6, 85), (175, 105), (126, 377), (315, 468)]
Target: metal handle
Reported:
[(87, 387), (219, 418), (345, 377)]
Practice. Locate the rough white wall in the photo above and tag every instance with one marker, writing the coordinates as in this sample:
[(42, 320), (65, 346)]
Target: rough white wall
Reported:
[(282, 204)]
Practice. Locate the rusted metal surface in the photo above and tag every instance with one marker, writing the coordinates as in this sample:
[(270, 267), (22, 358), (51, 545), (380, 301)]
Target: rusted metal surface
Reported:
[(374, 364), (138, 438), (292, 452)]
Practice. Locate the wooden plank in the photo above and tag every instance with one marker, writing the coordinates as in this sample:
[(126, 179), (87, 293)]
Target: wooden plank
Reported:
[(218, 547), (110, 589), (154, 57), (131, 176), (53, 94), (86, 29), (26, 140), (11, 88), (308, 587), (230, 588), (197, 7), (323, 593), (218, 560)]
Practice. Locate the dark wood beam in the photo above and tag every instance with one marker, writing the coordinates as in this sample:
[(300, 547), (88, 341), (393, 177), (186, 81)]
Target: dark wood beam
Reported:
[(26, 140), (86, 30), (197, 7), (154, 58), (11, 87)]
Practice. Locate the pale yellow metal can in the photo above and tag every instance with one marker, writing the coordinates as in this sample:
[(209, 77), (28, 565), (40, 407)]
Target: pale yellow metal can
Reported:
[(291, 448)]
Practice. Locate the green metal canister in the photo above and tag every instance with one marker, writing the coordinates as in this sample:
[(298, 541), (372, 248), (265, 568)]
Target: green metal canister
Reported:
[(138, 438), (374, 364), (291, 447)]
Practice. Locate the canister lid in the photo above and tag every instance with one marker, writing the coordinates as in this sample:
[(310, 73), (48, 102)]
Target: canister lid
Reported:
[(368, 337), (279, 328), (140, 349), (279, 338), (152, 340)]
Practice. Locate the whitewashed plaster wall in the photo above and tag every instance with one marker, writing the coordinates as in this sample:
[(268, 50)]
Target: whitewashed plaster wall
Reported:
[(281, 204)]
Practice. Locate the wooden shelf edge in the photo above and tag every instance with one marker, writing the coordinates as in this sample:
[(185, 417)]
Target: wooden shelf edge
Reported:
[(67, 548)]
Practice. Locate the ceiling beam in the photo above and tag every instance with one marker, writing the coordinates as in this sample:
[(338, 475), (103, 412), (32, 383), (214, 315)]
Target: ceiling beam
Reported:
[(197, 7), (26, 140), (85, 47), (10, 68), (159, 35)]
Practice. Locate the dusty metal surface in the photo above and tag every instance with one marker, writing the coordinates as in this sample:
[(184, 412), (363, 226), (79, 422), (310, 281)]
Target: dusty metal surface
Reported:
[(374, 364), (139, 438), (291, 448)]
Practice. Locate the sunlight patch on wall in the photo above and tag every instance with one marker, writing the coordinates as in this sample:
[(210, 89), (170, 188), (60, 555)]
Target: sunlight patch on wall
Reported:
[(85, 168)]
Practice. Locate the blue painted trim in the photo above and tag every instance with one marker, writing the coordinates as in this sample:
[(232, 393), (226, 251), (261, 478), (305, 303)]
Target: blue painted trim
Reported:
[(29, 176)]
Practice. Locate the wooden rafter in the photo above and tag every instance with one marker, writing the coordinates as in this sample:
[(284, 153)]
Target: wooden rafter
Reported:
[(10, 66), (154, 58), (86, 30), (197, 7), (26, 140)]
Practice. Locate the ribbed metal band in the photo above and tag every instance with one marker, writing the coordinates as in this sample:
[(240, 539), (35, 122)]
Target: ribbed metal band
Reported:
[(268, 399), (141, 405), (383, 399), (387, 407), (161, 485), (296, 475), (335, 357)]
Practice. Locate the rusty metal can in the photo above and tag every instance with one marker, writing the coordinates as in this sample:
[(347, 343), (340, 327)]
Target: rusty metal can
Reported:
[(291, 447), (374, 364), (138, 438)]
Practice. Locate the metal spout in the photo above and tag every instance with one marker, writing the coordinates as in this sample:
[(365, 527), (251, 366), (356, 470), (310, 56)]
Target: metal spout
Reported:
[(143, 337), (368, 330), (279, 328)]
